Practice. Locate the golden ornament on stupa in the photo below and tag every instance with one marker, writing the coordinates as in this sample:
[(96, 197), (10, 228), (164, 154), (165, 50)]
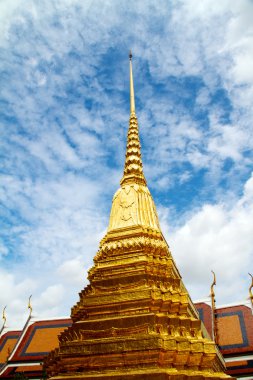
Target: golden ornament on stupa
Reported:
[(135, 320)]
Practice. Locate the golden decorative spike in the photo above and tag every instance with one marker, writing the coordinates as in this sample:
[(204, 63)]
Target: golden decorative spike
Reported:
[(212, 289), (4, 316), (30, 305), (250, 289), (4, 320), (215, 329)]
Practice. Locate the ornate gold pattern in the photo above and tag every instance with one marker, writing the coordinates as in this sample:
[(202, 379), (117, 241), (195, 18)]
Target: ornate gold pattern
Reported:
[(133, 171), (135, 320)]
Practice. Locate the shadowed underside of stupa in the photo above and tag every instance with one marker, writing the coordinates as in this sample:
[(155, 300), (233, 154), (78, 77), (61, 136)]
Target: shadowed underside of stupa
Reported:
[(135, 320)]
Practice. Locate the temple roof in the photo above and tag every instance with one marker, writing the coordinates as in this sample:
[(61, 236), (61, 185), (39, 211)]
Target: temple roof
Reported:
[(7, 344), (234, 334), (235, 329), (23, 351)]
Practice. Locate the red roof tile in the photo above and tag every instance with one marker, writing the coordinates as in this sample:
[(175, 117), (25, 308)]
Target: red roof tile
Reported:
[(7, 344), (39, 339)]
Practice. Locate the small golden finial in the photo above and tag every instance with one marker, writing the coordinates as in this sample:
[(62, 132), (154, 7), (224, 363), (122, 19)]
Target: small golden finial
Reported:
[(30, 305), (4, 316), (4, 319), (215, 331), (250, 289), (212, 291), (213, 284)]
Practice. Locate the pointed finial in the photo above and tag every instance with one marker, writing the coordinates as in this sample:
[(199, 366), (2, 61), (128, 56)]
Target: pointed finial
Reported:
[(212, 290), (215, 330), (4, 316), (250, 289), (132, 101), (214, 281), (4, 319), (30, 305)]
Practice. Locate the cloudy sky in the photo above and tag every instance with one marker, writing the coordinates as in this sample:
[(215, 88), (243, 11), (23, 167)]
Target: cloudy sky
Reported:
[(64, 98)]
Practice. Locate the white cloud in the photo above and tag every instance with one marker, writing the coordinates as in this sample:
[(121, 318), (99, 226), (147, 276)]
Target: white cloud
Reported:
[(14, 294), (229, 141), (6, 13), (73, 272), (3, 249), (203, 98), (51, 294), (216, 237)]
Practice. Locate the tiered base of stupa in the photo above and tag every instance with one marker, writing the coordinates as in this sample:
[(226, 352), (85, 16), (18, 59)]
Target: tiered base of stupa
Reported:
[(150, 374), (135, 320)]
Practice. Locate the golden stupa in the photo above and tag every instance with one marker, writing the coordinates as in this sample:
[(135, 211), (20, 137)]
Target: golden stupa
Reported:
[(135, 320)]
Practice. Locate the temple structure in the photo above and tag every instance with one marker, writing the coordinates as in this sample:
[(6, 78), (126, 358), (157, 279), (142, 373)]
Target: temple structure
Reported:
[(135, 320)]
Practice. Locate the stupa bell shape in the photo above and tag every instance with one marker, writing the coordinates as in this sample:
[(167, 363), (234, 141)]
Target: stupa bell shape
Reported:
[(135, 320)]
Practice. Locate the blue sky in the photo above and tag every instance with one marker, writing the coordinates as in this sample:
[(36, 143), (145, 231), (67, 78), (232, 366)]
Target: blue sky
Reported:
[(64, 98)]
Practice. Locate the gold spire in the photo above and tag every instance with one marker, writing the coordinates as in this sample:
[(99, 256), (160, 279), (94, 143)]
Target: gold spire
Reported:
[(132, 102), (133, 171), (132, 204)]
